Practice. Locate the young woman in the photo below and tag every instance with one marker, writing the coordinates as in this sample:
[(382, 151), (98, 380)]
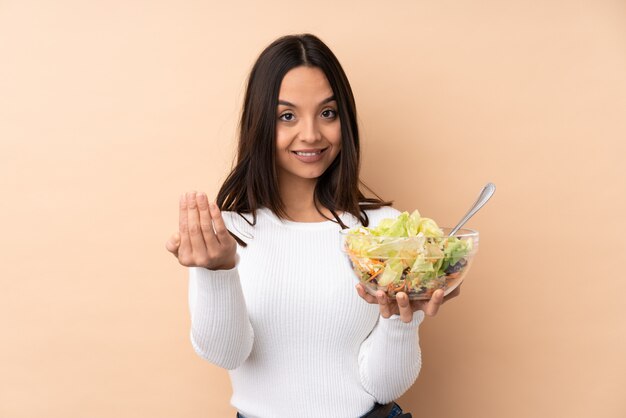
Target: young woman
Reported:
[(271, 296)]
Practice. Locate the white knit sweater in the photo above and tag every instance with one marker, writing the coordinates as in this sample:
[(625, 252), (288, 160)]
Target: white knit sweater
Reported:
[(289, 325)]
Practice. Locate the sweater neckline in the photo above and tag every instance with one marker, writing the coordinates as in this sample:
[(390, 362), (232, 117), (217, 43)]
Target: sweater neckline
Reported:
[(266, 212)]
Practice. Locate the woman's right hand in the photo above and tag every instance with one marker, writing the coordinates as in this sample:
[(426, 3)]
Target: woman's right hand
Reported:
[(202, 239)]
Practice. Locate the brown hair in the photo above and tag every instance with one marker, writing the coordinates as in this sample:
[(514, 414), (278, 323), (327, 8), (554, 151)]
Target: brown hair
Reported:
[(253, 182)]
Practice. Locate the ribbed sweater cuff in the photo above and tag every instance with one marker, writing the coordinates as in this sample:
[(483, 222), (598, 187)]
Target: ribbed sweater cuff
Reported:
[(212, 284), (394, 324), (217, 280)]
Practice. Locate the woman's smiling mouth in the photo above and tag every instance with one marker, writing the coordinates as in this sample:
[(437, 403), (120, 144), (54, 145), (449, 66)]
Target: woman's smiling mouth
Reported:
[(309, 155)]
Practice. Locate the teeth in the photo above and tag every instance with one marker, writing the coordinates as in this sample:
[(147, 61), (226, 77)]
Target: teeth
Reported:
[(307, 154)]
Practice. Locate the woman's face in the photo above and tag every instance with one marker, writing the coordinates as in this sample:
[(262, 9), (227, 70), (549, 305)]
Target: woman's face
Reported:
[(308, 130)]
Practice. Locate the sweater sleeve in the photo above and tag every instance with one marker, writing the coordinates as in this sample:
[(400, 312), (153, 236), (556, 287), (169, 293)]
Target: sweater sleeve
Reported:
[(221, 332), (390, 357)]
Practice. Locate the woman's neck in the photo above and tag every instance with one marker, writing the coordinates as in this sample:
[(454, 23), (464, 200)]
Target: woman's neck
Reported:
[(298, 196)]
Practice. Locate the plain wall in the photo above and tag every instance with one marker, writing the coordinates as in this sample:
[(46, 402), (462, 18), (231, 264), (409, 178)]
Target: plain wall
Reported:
[(110, 110)]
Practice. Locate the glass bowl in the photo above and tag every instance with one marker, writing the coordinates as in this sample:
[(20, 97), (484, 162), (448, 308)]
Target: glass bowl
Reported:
[(416, 265)]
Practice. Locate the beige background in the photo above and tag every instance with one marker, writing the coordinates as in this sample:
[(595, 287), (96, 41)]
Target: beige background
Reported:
[(109, 110)]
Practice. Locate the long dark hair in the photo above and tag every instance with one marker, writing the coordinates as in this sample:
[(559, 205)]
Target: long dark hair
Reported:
[(253, 182)]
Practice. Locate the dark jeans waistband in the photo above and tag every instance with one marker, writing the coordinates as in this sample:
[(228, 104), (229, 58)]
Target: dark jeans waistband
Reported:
[(394, 412)]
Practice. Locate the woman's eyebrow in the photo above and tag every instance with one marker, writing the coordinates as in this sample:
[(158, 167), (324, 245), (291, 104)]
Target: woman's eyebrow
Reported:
[(326, 100)]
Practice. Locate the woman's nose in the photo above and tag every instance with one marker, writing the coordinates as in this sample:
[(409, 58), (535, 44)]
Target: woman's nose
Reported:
[(310, 130)]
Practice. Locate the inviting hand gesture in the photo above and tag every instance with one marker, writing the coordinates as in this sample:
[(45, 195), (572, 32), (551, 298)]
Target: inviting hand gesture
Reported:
[(202, 240), (403, 306)]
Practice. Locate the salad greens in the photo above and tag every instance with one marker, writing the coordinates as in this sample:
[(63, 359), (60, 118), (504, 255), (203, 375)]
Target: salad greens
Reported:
[(409, 253)]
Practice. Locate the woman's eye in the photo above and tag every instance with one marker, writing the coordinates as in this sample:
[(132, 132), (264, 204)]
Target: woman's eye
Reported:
[(329, 113), (287, 117)]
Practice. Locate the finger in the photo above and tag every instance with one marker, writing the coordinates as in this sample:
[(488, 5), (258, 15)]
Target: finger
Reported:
[(218, 223), (173, 243), (184, 250), (360, 289), (406, 313), (206, 223), (383, 304), (434, 303), (456, 292), (196, 238)]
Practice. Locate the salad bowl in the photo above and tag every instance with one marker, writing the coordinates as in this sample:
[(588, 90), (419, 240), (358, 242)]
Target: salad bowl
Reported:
[(417, 262)]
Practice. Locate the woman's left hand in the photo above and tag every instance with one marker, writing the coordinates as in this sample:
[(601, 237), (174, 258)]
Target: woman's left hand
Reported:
[(403, 306)]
